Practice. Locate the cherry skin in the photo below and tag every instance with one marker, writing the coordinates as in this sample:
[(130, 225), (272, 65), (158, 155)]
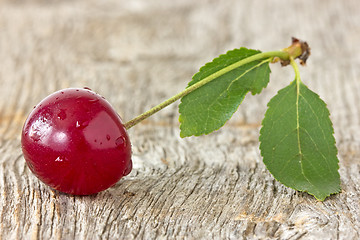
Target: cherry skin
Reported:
[(75, 142)]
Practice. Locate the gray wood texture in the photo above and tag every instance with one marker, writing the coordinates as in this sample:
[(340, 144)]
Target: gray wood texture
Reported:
[(136, 54)]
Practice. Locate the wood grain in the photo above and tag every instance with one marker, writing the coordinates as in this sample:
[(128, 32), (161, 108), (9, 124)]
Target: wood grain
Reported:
[(138, 53)]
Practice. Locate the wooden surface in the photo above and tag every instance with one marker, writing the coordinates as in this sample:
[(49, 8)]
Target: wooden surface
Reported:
[(136, 54)]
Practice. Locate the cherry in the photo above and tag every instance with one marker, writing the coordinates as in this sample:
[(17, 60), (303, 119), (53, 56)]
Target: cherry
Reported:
[(75, 142)]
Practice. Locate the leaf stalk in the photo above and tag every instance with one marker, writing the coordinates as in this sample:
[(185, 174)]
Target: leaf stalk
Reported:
[(283, 55)]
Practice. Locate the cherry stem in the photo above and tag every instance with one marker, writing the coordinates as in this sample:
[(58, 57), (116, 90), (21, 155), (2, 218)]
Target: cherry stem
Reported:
[(284, 55)]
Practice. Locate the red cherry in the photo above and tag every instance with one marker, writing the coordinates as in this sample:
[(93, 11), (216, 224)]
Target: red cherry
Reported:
[(76, 143)]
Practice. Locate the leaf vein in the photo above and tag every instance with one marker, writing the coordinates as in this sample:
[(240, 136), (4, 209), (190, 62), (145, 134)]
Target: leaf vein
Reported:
[(229, 86)]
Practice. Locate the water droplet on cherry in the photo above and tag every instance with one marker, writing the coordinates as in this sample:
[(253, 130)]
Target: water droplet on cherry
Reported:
[(62, 114), (83, 124), (94, 100), (120, 142), (128, 169), (35, 136), (108, 137), (60, 159)]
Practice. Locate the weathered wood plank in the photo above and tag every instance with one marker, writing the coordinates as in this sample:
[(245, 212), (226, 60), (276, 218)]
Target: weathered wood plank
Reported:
[(136, 54)]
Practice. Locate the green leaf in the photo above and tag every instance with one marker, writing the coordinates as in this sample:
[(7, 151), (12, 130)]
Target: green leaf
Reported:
[(297, 142), (209, 107)]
